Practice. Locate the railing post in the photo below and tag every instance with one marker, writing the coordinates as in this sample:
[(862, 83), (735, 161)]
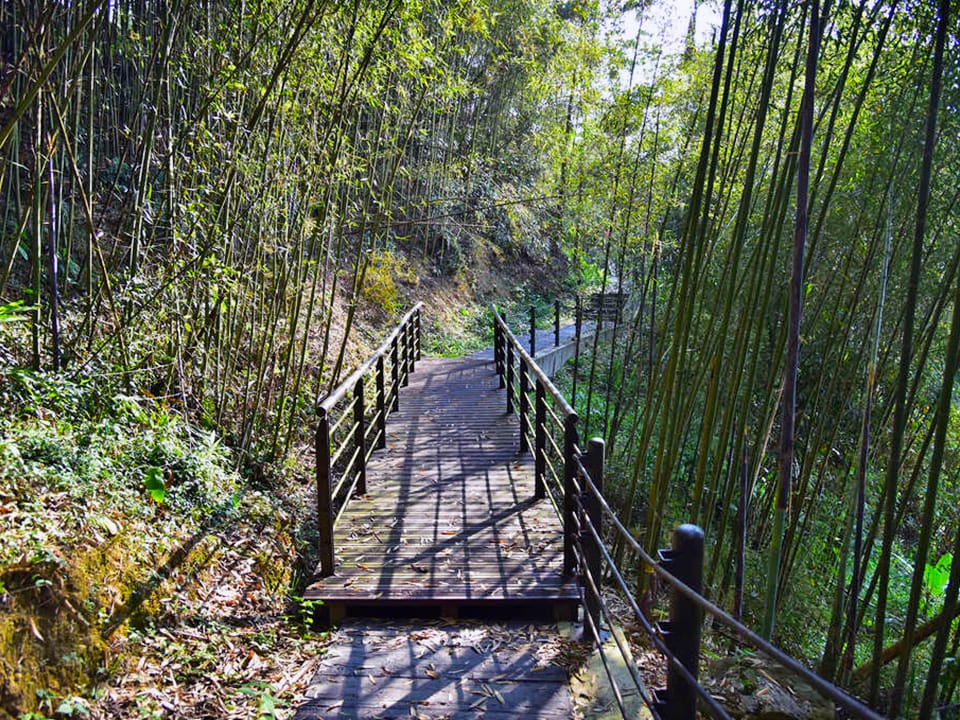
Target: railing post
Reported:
[(405, 357), (682, 632), (498, 342), (569, 501), (324, 501), (540, 443), (360, 436), (381, 405), (509, 378), (524, 407), (533, 331), (418, 334), (556, 323), (593, 463), (394, 375)]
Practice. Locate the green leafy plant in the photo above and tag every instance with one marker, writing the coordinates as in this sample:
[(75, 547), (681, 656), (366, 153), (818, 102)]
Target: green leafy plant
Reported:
[(936, 577), (72, 707), (153, 482), (306, 609), (14, 311), (267, 705)]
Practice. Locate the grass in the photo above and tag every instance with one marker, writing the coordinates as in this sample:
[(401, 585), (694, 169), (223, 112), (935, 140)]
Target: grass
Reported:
[(458, 332)]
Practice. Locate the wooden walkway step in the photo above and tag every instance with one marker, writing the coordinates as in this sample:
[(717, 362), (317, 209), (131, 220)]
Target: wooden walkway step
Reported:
[(449, 519), (441, 671)]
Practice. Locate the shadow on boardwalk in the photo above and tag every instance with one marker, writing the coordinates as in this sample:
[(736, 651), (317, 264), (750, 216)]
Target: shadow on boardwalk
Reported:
[(439, 669), (449, 518), (449, 524)]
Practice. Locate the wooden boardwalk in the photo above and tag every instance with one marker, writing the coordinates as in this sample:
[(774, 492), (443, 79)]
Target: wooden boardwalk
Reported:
[(441, 671), (449, 519)]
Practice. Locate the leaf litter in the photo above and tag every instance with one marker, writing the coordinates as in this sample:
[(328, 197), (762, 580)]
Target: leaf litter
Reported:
[(233, 647)]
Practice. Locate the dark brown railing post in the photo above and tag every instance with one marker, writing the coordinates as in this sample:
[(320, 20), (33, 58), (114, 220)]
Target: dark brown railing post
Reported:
[(418, 334), (556, 323), (404, 356), (509, 378), (394, 374), (533, 331), (524, 407), (324, 501), (360, 436), (540, 443), (498, 342), (569, 483), (593, 464), (381, 405), (682, 632)]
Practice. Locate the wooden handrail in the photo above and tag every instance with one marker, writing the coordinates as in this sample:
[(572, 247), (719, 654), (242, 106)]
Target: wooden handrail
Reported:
[(402, 349), (588, 519), (531, 364), (508, 347), (337, 394)]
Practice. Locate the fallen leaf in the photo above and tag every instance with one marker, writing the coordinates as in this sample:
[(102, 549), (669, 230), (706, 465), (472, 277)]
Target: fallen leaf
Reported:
[(33, 629)]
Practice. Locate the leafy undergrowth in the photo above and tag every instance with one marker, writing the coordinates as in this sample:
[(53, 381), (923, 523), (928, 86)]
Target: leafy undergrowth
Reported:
[(140, 575)]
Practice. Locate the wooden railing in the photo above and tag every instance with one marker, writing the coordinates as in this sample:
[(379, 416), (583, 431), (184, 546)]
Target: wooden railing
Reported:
[(549, 421), (573, 480), (348, 432)]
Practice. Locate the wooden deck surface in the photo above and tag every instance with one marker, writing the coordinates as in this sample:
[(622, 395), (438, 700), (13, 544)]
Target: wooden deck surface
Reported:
[(449, 518), (448, 671)]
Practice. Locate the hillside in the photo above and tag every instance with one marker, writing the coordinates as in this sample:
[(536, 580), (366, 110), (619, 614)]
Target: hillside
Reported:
[(210, 212)]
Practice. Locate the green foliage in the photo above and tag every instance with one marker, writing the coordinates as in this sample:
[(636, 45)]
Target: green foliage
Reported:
[(14, 311), (458, 332), (306, 610), (268, 707), (153, 482), (386, 268), (936, 577), (72, 707), (71, 471)]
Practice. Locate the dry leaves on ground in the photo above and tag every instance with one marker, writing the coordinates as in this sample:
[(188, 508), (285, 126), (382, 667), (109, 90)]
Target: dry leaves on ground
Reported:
[(230, 649)]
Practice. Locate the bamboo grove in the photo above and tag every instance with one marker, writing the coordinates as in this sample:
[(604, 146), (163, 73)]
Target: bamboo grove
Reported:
[(198, 198), (194, 193), (837, 529)]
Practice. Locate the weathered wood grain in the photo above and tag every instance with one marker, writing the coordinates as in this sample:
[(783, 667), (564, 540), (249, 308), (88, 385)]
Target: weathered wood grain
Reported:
[(449, 515), (379, 670)]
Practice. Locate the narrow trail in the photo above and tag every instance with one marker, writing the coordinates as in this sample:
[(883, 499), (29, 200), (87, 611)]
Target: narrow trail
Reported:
[(448, 526)]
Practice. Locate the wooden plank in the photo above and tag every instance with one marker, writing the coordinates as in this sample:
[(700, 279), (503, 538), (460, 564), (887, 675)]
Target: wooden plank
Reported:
[(450, 514), (317, 709), (375, 670)]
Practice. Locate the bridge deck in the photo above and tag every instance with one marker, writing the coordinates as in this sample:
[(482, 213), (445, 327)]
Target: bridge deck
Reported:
[(449, 518)]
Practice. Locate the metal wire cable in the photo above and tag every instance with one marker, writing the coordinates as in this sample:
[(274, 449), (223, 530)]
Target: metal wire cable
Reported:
[(607, 616), (716, 709), (344, 414), (847, 702)]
